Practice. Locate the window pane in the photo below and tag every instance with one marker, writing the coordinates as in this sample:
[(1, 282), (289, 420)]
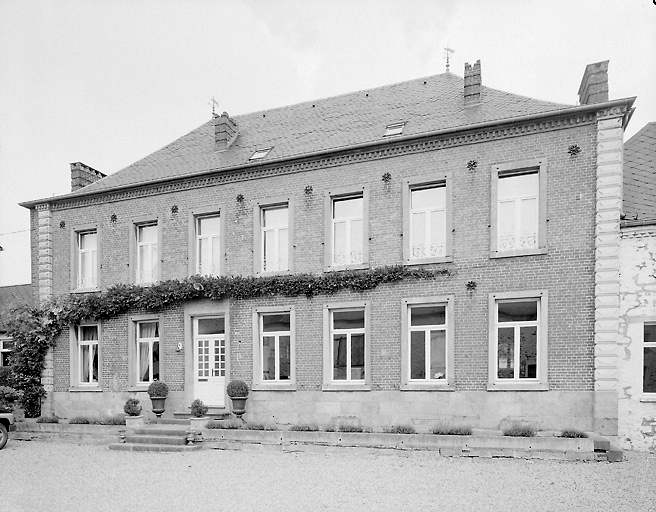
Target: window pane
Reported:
[(88, 241), (269, 250), (419, 242), (216, 255), (650, 333), (417, 355), (506, 226), (356, 241), (84, 363), (357, 357), (427, 315), (94, 362), (649, 370), (438, 233), (528, 352), (529, 223), (341, 257), (438, 355), (211, 325), (268, 358), (283, 249), (155, 361), (276, 323), (209, 225), (526, 311), (144, 362), (148, 233), (88, 332), (350, 208), (148, 330), (506, 369), (339, 357), (515, 186), (275, 217), (348, 319), (428, 198), (285, 358)]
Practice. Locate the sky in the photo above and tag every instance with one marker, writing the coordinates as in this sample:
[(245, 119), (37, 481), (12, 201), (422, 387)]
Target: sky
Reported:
[(107, 83)]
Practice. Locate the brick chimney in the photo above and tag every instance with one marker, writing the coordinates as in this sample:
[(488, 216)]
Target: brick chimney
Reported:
[(472, 83), (83, 175), (225, 131), (594, 85)]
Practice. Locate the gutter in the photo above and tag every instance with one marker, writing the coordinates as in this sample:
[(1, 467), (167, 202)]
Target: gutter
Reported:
[(580, 109)]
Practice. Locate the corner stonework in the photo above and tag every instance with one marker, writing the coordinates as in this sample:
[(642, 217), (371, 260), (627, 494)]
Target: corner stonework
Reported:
[(45, 261), (610, 132)]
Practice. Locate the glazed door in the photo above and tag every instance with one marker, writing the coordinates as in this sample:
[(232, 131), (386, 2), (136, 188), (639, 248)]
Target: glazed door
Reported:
[(210, 360)]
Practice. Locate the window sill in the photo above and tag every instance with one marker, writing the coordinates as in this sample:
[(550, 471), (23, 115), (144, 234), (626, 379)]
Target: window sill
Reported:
[(81, 389), (517, 386), (346, 387), (274, 273), (648, 398), (340, 268), (139, 388), (274, 387), (429, 261), (521, 252), (428, 386), (85, 290)]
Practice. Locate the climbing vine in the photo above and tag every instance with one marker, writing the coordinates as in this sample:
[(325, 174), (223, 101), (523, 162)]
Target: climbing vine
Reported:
[(34, 330)]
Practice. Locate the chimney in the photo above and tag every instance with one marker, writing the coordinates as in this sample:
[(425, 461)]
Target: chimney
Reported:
[(472, 83), (225, 131), (83, 175), (594, 85)]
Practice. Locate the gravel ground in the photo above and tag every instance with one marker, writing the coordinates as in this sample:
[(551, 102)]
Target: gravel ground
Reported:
[(57, 476)]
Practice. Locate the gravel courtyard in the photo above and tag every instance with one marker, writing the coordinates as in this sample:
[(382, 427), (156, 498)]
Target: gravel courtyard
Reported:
[(58, 476)]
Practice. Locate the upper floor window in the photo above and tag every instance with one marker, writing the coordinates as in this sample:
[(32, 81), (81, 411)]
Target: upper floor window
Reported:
[(147, 253), (649, 359), (274, 238), (347, 231), (147, 351), (208, 245), (87, 263), (519, 209)]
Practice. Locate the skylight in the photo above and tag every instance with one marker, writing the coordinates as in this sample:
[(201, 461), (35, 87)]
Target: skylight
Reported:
[(394, 129), (260, 153)]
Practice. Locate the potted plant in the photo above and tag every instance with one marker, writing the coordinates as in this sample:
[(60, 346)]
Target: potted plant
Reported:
[(198, 418), (133, 418), (238, 392), (158, 391)]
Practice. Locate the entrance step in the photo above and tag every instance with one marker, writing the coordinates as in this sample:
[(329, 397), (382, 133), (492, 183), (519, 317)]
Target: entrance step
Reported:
[(158, 437), (214, 414), (139, 447)]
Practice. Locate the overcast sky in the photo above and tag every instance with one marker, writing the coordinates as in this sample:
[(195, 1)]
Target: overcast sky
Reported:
[(106, 83)]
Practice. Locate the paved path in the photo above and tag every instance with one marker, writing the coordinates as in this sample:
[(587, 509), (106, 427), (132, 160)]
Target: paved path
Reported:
[(58, 476)]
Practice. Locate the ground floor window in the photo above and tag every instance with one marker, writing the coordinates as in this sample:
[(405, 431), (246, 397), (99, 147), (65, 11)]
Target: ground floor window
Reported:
[(148, 355), (88, 360), (649, 359), (6, 348)]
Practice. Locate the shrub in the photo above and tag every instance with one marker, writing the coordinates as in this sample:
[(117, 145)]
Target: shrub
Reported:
[(237, 389), (47, 419), (449, 429), (401, 429), (132, 407), (198, 408), (573, 433), (350, 428), (519, 430), (231, 424), (305, 427), (5, 377), (258, 426), (158, 388), (8, 397), (80, 420), (112, 420)]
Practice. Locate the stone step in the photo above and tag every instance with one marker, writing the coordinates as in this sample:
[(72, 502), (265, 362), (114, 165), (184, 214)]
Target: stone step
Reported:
[(143, 447), (164, 440), (159, 431)]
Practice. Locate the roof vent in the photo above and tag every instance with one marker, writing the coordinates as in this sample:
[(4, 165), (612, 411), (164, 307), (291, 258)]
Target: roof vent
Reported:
[(259, 154), (394, 129), (225, 131), (473, 83)]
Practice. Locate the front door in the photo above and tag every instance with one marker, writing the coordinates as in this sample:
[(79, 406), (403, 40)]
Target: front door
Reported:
[(210, 360)]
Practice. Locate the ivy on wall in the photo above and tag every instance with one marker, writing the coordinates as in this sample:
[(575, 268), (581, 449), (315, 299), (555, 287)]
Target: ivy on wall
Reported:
[(34, 330)]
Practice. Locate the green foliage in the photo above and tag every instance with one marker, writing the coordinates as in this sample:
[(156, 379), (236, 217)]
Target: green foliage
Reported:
[(80, 420), (305, 427), (198, 408), (519, 430), (345, 427), (573, 433), (5, 377), (111, 420), (8, 397), (231, 424), (401, 429), (47, 419), (259, 426), (132, 407), (158, 388), (237, 389), (449, 429)]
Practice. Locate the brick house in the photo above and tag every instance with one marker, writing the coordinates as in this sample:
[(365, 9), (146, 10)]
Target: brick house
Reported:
[(637, 340), (513, 196)]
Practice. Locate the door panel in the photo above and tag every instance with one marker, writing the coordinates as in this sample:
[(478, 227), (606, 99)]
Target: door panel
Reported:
[(209, 367)]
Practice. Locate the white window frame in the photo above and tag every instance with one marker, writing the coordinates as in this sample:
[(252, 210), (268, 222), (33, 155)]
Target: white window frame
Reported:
[(197, 212), (329, 245), (259, 229), (76, 260), (210, 238), (133, 352), (418, 183), (541, 381), (429, 384), (519, 168), (153, 247), (76, 343), (648, 396), (329, 383), (134, 249), (275, 384), (3, 347)]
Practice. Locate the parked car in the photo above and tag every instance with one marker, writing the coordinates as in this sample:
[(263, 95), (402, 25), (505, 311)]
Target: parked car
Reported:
[(6, 424)]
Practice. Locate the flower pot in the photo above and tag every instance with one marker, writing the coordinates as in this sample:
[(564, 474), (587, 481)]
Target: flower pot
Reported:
[(158, 405), (199, 423), (132, 422), (238, 405)]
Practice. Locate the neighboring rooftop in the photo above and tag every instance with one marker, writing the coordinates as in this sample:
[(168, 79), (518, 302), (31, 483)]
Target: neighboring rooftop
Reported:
[(11, 296), (639, 200)]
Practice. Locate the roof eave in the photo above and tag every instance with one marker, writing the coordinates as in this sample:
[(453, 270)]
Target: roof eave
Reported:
[(579, 109)]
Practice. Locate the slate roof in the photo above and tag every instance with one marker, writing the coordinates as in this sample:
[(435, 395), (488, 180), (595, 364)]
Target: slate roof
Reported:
[(11, 296), (426, 104), (639, 200)]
